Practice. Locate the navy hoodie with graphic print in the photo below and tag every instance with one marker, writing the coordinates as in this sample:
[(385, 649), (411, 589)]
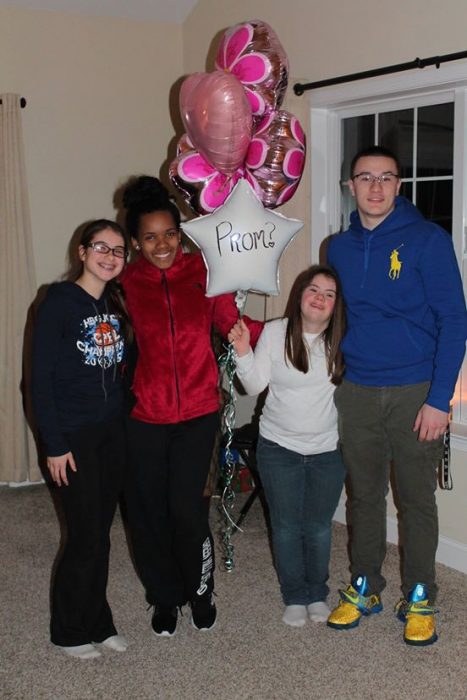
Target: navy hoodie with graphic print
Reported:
[(405, 305), (77, 349)]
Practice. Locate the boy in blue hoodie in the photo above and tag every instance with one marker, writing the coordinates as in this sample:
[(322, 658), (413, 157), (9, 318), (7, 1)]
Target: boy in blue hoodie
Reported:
[(403, 349)]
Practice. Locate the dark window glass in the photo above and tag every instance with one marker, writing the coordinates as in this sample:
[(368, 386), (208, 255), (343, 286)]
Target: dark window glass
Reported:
[(435, 140), (358, 133), (396, 133), (406, 190), (434, 199)]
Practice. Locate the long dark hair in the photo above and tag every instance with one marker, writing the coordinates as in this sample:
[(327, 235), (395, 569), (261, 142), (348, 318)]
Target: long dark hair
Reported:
[(295, 349), (144, 195), (113, 288)]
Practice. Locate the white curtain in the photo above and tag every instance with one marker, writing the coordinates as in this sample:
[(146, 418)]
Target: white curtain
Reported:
[(18, 457), (297, 257)]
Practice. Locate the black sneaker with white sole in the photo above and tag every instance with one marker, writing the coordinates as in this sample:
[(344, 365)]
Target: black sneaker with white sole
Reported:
[(164, 621), (203, 613)]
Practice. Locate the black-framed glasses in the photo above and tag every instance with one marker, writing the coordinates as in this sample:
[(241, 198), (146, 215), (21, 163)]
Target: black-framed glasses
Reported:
[(369, 179), (99, 247)]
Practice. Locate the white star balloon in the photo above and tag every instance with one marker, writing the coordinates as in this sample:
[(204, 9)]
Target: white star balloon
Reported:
[(241, 243)]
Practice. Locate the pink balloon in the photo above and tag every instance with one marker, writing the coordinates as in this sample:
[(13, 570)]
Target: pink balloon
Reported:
[(217, 117), (202, 186), (253, 53), (276, 158)]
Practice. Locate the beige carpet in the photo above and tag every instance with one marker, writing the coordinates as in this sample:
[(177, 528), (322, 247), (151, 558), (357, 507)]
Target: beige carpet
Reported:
[(249, 654)]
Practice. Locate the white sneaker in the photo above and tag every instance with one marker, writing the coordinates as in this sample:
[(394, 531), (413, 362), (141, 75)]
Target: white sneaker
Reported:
[(116, 642), (82, 651), (294, 615), (319, 611)]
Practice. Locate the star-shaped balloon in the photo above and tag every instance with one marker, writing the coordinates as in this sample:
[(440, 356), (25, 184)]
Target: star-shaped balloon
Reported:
[(242, 242)]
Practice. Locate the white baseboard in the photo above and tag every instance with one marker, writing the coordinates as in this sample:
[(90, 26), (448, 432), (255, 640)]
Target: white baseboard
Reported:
[(450, 552)]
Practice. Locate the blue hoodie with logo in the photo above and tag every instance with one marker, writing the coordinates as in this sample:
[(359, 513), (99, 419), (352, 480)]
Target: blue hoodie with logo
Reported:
[(406, 315)]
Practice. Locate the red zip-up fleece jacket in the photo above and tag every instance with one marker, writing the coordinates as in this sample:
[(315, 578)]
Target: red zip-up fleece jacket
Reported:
[(176, 377)]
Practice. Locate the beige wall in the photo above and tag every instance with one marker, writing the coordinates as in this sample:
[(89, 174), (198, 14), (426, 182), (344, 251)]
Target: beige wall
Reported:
[(98, 111), (327, 38), (324, 38)]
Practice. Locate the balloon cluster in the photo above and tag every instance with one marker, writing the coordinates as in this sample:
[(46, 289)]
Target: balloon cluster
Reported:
[(241, 156), (235, 128)]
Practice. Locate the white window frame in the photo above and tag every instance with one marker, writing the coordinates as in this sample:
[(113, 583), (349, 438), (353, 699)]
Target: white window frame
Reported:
[(396, 91)]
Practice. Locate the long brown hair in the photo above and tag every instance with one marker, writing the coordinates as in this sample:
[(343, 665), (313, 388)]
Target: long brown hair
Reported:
[(84, 237), (295, 349)]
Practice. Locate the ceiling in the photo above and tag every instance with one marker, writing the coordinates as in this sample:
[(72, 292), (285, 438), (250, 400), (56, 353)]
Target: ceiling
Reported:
[(158, 10)]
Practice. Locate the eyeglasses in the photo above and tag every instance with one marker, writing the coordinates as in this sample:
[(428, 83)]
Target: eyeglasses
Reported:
[(369, 179), (98, 247)]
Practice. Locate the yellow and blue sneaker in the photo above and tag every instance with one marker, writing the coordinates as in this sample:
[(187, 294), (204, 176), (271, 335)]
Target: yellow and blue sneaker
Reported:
[(354, 602), (419, 617)]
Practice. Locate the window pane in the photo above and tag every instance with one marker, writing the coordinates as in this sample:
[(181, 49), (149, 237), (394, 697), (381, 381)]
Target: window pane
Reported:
[(348, 205), (406, 190), (396, 133), (434, 199), (435, 140), (358, 133)]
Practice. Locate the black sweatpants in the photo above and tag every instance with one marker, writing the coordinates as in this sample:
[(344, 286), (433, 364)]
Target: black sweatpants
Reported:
[(167, 515), (80, 611)]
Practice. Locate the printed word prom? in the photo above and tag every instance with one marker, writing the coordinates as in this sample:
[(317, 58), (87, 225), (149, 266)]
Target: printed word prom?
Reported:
[(244, 242)]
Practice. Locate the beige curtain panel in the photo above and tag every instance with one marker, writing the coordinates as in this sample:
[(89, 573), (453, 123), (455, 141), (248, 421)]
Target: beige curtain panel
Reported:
[(18, 456)]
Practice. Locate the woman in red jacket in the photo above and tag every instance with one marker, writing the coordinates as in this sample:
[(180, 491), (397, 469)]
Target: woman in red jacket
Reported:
[(173, 424)]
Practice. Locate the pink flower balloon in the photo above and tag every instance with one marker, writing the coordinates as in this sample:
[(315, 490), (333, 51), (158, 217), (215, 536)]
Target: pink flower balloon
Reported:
[(253, 53), (203, 187), (217, 117), (276, 158)]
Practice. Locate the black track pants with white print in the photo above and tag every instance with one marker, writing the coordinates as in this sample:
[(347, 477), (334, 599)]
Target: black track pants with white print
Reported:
[(167, 513)]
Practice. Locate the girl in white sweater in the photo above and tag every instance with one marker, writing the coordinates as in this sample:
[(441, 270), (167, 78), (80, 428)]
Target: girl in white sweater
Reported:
[(298, 357)]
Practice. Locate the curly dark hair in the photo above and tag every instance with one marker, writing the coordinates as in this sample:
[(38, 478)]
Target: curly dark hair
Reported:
[(143, 195)]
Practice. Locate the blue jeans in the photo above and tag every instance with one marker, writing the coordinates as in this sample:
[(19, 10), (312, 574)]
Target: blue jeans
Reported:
[(302, 492)]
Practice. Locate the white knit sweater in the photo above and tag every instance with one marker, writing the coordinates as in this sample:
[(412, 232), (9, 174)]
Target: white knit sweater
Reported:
[(299, 412)]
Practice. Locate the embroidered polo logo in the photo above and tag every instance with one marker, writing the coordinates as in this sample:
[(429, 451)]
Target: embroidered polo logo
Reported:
[(396, 264)]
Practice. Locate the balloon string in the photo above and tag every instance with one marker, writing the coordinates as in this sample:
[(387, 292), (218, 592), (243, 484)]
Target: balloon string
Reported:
[(240, 301), (224, 185), (227, 362), (228, 466)]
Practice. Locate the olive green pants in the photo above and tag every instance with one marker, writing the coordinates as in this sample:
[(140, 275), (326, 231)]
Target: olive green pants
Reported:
[(376, 431)]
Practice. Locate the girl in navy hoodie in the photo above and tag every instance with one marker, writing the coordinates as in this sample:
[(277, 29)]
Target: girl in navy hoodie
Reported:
[(78, 403)]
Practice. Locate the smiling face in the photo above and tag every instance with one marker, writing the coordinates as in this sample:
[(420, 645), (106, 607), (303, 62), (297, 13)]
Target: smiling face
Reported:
[(375, 200), (99, 268), (158, 238), (317, 304)]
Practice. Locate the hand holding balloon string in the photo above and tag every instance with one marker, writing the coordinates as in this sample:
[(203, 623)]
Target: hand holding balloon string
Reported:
[(239, 335)]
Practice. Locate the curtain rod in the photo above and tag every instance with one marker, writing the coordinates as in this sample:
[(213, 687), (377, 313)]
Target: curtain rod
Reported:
[(22, 102), (300, 88)]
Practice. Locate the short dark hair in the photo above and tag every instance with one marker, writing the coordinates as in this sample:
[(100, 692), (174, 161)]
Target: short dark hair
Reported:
[(374, 151), (295, 349)]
